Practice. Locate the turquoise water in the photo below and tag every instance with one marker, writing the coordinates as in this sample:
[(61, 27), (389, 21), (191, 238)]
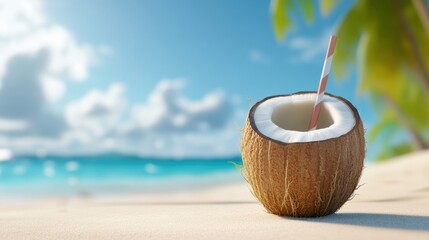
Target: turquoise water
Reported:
[(110, 174)]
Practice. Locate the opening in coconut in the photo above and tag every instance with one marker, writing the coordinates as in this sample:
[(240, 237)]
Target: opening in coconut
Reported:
[(286, 118), (301, 116)]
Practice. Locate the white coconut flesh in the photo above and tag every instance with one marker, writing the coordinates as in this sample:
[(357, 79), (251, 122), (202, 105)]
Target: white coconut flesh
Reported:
[(286, 118)]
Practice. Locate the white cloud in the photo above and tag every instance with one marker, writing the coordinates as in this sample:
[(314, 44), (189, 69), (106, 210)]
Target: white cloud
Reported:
[(258, 56), (167, 110), (310, 48), (22, 98), (222, 142), (7, 125), (68, 59), (19, 17), (25, 30), (169, 124), (36, 59), (105, 50), (97, 111), (53, 89), (99, 121), (5, 155)]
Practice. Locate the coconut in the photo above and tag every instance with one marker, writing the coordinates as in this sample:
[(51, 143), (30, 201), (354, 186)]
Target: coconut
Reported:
[(295, 172)]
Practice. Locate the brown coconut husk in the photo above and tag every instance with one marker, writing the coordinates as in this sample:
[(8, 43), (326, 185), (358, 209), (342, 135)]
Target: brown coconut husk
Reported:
[(308, 179)]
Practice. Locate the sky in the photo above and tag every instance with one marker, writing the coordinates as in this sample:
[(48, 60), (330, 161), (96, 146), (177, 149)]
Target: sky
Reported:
[(154, 78)]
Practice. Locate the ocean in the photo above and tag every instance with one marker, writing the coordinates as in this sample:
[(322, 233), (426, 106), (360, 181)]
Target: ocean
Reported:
[(103, 175)]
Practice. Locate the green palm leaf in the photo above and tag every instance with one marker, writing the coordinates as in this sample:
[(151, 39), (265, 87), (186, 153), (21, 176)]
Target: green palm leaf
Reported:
[(387, 125), (326, 6), (307, 8), (280, 19), (389, 46), (395, 150), (349, 33)]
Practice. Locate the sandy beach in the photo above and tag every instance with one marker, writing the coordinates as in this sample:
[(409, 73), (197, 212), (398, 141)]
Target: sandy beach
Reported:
[(393, 203)]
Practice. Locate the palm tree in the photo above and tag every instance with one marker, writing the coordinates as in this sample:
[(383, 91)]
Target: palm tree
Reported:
[(388, 42), (423, 12)]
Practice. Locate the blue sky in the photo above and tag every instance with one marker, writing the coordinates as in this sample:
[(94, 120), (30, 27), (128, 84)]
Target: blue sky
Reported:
[(208, 43), (213, 54)]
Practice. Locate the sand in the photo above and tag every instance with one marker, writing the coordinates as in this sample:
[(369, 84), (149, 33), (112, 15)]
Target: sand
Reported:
[(393, 203)]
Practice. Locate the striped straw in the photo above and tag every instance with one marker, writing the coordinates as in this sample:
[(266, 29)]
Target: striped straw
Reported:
[(322, 84)]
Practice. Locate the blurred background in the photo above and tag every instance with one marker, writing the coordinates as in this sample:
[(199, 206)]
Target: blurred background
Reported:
[(116, 97)]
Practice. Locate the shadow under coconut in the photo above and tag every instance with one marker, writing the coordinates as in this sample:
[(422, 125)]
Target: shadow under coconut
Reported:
[(397, 199), (174, 203), (378, 220)]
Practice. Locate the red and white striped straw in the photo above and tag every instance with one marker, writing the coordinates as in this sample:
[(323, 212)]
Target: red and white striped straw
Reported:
[(322, 83)]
